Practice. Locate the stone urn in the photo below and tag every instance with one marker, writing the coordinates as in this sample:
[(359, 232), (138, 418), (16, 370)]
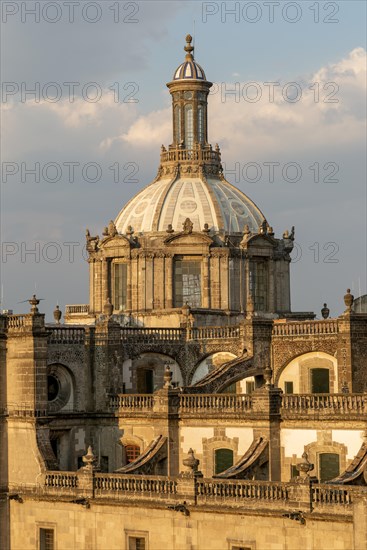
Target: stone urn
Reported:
[(57, 314), (108, 308), (191, 462), (325, 312), (304, 468), (348, 300)]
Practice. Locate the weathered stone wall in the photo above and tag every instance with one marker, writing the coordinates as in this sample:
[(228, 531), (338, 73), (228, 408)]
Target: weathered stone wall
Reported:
[(101, 527)]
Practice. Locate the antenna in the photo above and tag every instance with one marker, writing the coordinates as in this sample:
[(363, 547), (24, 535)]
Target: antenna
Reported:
[(193, 34)]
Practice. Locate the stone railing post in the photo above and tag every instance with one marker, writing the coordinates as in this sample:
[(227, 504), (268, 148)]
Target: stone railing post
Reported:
[(187, 481), (186, 488), (86, 475), (360, 521), (266, 404), (165, 412)]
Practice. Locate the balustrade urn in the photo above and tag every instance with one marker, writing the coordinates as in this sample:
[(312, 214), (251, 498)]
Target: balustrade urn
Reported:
[(325, 311), (348, 300), (57, 314)]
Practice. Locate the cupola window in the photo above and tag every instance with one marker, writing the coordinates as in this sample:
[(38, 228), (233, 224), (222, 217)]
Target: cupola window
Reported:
[(189, 127), (177, 124), (201, 124)]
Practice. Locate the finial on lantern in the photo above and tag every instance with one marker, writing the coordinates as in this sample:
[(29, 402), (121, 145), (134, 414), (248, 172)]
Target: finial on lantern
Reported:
[(188, 48)]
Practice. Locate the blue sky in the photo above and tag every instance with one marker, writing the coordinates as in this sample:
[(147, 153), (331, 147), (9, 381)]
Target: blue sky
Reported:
[(330, 218)]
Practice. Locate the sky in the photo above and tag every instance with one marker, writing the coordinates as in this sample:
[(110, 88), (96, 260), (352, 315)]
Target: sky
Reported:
[(287, 108)]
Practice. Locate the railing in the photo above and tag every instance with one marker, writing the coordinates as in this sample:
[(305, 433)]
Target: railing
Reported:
[(61, 480), (301, 328), (22, 411), (207, 333), (259, 490), (132, 402), (199, 403), (77, 309), (66, 335), (158, 485), (337, 402), (323, 494), (150, 334), (176, 155), (17, 321)]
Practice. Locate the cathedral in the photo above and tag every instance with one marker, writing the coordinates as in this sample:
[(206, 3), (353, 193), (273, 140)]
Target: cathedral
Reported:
[(186, 406)]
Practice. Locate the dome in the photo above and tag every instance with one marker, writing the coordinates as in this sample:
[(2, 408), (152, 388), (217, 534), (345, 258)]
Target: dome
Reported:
[(189, 70), (213, 201)]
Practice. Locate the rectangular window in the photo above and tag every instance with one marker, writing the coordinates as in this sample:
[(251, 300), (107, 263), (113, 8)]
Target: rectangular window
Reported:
[(137, 543), (259, 284), (320, 380), (294, 471), (104, 464), (250, 386), (187, 283), (136, 540), (288, 387), (46, 539), (119, 286), (223, 459)]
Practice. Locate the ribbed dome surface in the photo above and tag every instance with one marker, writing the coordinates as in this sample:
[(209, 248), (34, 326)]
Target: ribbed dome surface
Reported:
[(189, 70), (213, 201)]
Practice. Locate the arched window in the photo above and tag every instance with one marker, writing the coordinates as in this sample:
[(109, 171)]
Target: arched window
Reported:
[(223, 459), (189, 127), (132, 452), (178, 124), (201, 124)]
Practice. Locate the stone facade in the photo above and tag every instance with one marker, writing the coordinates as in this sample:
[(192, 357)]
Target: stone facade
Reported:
[(187, 355)]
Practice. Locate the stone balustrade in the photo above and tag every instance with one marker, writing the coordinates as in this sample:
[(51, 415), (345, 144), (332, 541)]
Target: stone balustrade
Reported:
[(221, 402), (132, 402), (77, 309), (150, 335), (208, 333), (302, 328), (227, 405), (158, 485), (22, 410), (61, 480), (326, 494), (337, 403), (185, 404), (200, 155), (281, 497), (18, 321), (209, 489), (66, 335)]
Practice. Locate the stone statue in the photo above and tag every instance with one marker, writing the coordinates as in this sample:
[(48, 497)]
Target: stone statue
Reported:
[(187, 226), (112, 231)]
